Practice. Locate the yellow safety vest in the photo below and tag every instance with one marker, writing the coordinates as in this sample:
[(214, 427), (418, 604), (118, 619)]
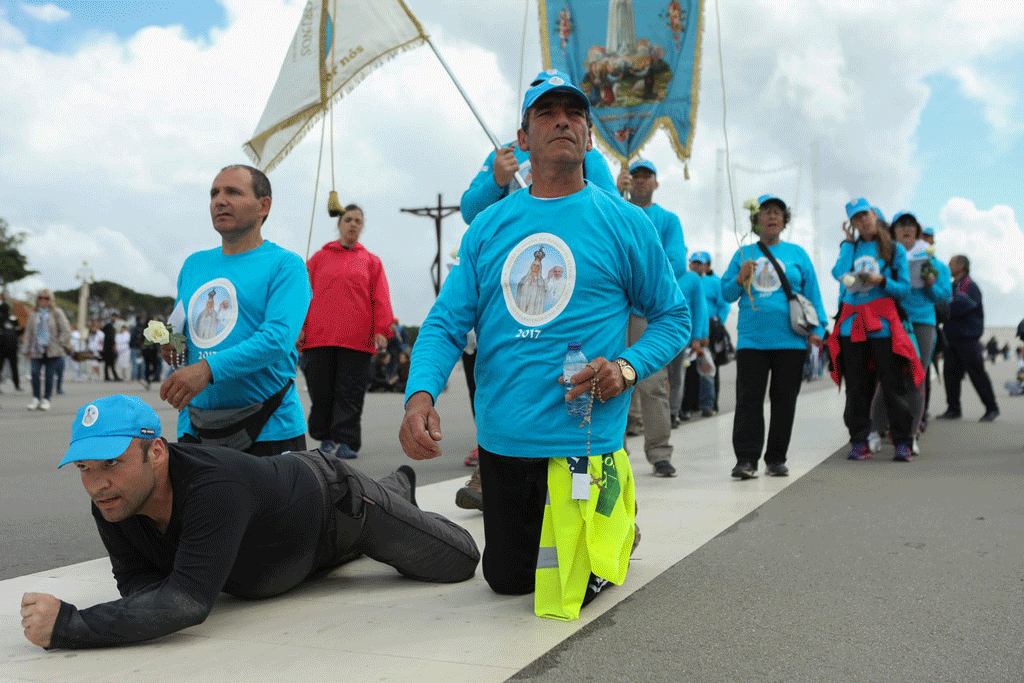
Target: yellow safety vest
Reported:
[(580, 537)]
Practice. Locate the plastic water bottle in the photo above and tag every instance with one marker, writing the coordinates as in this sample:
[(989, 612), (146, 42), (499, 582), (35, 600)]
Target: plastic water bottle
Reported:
[(575, 361)]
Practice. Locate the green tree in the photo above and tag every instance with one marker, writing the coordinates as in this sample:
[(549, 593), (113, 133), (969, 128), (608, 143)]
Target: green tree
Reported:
[(13, 264)]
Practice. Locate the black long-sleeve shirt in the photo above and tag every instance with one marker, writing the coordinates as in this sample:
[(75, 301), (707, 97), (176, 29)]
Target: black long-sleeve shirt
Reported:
[(251, 527)]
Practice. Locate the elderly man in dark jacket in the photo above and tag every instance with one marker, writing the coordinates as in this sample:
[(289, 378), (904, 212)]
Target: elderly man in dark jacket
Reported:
[(963, 330)]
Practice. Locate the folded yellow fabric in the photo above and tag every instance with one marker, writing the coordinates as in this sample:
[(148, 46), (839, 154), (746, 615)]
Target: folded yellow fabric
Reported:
[(580, 537)]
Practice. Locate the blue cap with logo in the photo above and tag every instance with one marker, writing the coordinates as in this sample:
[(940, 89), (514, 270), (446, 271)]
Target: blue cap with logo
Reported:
[(104, 428), (552, 80), (700, 257), (765, 198), (930, 231), (856, 206), (643, 163)]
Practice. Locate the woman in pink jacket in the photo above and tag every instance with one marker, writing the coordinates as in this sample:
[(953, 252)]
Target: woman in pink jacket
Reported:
[(349, 318)]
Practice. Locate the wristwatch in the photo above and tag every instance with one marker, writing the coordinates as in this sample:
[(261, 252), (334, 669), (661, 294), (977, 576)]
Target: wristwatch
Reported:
[(628, 373)]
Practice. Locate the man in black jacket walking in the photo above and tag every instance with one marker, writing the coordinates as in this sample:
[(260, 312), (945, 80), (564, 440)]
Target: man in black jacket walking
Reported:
[(963, 354)]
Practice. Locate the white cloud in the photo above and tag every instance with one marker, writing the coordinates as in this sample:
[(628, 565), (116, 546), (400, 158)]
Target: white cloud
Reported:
[(48, 13), (991, 238), (998, 102), (124, 137)]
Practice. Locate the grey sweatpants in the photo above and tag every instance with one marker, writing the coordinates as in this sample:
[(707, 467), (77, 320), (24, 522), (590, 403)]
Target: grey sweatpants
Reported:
[(925, 335)]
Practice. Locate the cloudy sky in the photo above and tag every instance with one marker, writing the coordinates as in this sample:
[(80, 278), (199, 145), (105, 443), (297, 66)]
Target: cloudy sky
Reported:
[(116, 115)]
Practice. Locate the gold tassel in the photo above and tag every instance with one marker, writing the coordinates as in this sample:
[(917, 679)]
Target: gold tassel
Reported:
[(333, 206), (686, 170)]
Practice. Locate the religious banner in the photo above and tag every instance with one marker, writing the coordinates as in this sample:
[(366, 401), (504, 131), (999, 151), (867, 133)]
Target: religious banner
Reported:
[(337, 43), (637, 60)]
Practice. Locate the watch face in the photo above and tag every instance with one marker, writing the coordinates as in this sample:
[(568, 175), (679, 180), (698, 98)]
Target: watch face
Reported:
[(628, 372)]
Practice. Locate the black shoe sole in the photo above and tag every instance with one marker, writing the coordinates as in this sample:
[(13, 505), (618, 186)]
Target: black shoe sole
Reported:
[(777, 473), (410, 474), (743, 474)]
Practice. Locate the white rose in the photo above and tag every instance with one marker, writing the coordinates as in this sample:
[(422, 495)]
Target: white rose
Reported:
[(156, 332), (849, 280), (930, 250)]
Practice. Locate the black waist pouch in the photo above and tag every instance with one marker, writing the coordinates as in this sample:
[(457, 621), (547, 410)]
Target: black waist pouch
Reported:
[(236, 428)]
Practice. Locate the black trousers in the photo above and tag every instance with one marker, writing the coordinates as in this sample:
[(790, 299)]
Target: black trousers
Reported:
[(786, 367), (468, 364), (421, 545), (860, 388), (691, 389), (964, 356), (515, 492), (9, 353), (109, 369), (337, 379)]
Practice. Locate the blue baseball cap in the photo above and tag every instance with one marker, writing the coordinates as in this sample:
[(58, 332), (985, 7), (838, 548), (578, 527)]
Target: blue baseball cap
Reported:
[(856, 206), (643, 163), (930, 231), (701, 257), (548, 73), (904, 214), (552, 82), (104, 428), (765, 198)]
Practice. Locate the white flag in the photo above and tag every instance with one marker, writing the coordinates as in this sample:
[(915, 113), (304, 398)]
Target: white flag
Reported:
[(337, 44)]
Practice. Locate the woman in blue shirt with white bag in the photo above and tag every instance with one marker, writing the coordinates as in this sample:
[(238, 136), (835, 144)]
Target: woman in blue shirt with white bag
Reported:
[(767, 343)]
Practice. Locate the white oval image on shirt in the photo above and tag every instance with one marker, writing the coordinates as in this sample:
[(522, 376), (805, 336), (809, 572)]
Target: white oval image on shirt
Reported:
[(538, 279), (212, 313)]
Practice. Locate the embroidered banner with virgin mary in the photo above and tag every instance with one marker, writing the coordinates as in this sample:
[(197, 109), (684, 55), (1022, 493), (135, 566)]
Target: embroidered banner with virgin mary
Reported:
[(637, 60)]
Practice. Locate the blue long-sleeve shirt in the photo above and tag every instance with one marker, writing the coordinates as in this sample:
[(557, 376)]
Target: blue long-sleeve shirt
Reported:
[(718, 307), (533, 275), (921, 300), (690, 285), (483, 191), (670, 231), (243, 315), (765, 323), (862, 257)]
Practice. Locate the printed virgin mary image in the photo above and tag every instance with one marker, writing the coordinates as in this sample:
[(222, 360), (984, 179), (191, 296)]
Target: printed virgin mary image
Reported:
[(206, 321), (532, 288)]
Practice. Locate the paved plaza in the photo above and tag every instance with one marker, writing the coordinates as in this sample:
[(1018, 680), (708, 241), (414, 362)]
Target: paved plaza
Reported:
[(845, 571)]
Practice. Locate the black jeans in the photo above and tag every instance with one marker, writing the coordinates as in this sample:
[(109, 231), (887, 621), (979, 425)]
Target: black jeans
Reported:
[(860, 388), (9, 353), (337, 379), (964, 356), (515, 490), (753, 366)]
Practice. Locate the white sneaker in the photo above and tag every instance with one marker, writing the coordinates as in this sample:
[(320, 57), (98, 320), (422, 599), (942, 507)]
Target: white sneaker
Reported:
[(874, 442), (34, 405), (44, 405), (914, 448)]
